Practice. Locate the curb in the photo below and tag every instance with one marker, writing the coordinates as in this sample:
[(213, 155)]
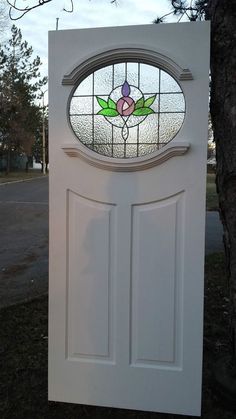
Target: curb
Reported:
[(22, 180)]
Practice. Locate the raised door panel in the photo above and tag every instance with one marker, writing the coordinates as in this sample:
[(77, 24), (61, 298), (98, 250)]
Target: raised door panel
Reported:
[(90, 240), (156, 281)]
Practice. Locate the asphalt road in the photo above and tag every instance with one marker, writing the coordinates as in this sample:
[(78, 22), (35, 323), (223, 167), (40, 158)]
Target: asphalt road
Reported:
[(24, 240)]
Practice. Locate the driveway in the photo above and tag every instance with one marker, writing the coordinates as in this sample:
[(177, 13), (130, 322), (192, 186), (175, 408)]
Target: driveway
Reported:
[(24, 240)]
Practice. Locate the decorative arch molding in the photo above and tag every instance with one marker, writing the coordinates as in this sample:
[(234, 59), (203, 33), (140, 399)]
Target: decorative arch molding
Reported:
[(172, 149), (115, 56), (118, 55)]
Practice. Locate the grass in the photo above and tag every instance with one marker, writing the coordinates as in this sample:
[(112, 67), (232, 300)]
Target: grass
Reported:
[(20, 175), (211, 195), (23, 355)]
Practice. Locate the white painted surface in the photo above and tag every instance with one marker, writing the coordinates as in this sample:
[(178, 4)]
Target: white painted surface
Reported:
[(127, 248), (155, 279), (89, 279)]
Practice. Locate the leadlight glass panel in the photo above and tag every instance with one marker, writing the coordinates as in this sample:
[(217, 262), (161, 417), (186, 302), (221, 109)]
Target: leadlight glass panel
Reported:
[(127, 110)]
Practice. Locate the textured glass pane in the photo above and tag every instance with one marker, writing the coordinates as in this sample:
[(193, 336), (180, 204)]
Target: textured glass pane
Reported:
[(116, 121), (119, 74), (168, 83), (85, 87), (132, 138), (118, 151), (81, 105), (102, 130), (105, 150), (131, 150), (117, 137), (170, 124), (133, 121), (103, 81), (148, 130), (147, 149), (116, 94), (172, 103), (132, 73), (82, 126), (127, 110), (135, 93), (149, 79)]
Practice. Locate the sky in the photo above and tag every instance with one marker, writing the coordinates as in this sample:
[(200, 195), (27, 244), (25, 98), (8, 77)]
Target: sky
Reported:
[(87, 13)]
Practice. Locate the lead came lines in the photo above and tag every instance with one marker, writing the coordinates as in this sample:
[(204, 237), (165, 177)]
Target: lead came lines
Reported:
[(129, 105)]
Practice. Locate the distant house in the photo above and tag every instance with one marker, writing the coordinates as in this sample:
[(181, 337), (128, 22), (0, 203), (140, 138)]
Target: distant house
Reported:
[(18, 161)]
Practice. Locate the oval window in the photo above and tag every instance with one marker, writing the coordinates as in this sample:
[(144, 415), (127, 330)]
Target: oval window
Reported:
[(127, 110)]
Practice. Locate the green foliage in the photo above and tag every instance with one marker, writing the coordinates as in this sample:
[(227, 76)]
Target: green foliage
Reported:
[(108, 107), (102, 102), (108, 112), (148, 102), (111, 104), (143, 111), (37, 148), (139, 103), (20, 85), (142, 107)]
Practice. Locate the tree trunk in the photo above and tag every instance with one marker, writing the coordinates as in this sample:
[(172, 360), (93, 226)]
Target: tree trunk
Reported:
[(223, 112)]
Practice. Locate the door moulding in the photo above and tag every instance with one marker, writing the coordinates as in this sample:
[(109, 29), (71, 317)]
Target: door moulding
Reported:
[(172, 149), (121, 54)]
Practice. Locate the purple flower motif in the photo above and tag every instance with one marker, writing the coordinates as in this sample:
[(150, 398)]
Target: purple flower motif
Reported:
[(125, 106), (125, 89)]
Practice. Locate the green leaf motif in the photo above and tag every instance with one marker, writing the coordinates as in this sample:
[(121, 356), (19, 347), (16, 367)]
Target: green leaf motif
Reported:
[(111, 104), (143, 111), (139, 103), (108, 112), (102, 102), (148, 102)]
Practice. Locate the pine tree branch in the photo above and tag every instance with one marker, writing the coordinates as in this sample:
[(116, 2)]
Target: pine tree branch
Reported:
[(192, 9)]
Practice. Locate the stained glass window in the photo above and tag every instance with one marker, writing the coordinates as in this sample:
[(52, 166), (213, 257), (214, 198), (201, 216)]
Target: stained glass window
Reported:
[(127, 110)]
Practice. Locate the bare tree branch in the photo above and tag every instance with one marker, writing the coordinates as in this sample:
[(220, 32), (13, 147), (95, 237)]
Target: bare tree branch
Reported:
[(71, 7), (38, 3), (24, 10)]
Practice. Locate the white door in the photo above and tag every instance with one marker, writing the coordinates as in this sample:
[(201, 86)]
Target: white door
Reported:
[(128, 140)]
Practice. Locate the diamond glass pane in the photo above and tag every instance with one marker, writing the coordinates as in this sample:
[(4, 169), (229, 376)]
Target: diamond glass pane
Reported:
[(127, 110)]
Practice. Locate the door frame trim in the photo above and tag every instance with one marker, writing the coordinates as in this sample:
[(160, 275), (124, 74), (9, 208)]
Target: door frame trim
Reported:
[(172, 149), (117, 55)]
